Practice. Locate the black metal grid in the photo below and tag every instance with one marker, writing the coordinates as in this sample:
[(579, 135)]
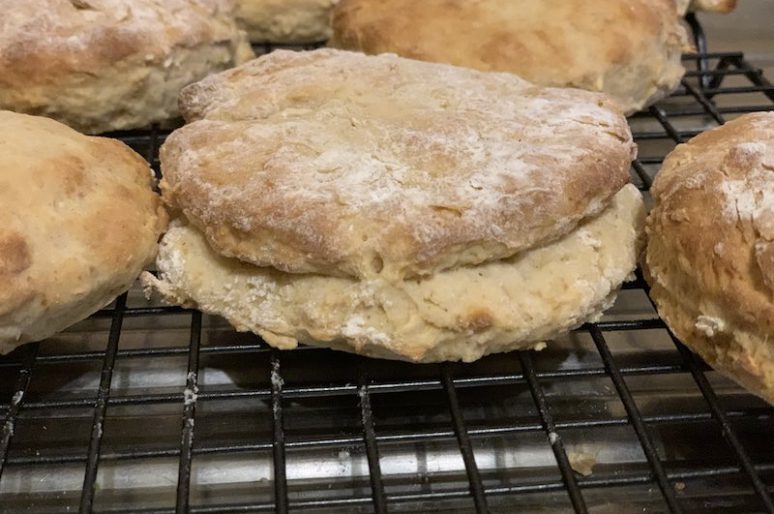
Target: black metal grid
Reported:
[(374, 388)]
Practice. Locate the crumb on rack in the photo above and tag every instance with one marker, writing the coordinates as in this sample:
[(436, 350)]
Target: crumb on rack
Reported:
[(582, 462)]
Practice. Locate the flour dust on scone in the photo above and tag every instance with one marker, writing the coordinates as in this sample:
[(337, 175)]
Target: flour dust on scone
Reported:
[(387, 166)]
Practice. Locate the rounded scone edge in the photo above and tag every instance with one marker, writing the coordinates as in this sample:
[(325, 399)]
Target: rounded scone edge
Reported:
[(75, 231), (710, 256)]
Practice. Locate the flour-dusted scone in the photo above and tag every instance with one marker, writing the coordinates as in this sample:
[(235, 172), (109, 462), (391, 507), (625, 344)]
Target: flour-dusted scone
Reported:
[(459, 314), (286, 21), (78, 222), (100, 65), (338, 163), (629, 49), (396, 208), (710, 254)]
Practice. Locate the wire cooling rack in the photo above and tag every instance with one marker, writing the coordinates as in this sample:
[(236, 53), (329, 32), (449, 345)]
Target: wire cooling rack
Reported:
[(151, 409)]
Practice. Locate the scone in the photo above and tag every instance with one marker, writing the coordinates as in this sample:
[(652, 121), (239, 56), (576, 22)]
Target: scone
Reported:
[(100, 65), (459, 314), (342, 164), (286, 21), (710, 253), (78, 222), (629, 49), (396, 208)]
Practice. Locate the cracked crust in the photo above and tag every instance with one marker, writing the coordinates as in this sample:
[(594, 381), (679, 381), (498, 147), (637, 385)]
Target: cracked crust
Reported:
[(100, 65), (710, 256), (339, 163), (459, 314), (79, 221), (629, 49)]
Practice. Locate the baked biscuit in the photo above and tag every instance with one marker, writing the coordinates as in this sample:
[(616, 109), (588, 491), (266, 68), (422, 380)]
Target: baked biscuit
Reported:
[(710, 254), (100, 65), (343, 164), (629, 49), (459, 314), (78, 222)]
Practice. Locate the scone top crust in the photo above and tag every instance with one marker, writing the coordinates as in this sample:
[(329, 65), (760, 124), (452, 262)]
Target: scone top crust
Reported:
[(339, 163), (629, 49), (78, 221), (715, 212)]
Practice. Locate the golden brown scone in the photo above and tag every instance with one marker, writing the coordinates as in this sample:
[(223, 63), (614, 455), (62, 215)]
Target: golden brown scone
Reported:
[(286, 21), (100, 65), (710, 254), (629, 49), (78, 222), (339, 163), (459, 314)]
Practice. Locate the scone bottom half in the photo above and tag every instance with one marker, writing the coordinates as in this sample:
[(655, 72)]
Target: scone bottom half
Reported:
[(458, 314)]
